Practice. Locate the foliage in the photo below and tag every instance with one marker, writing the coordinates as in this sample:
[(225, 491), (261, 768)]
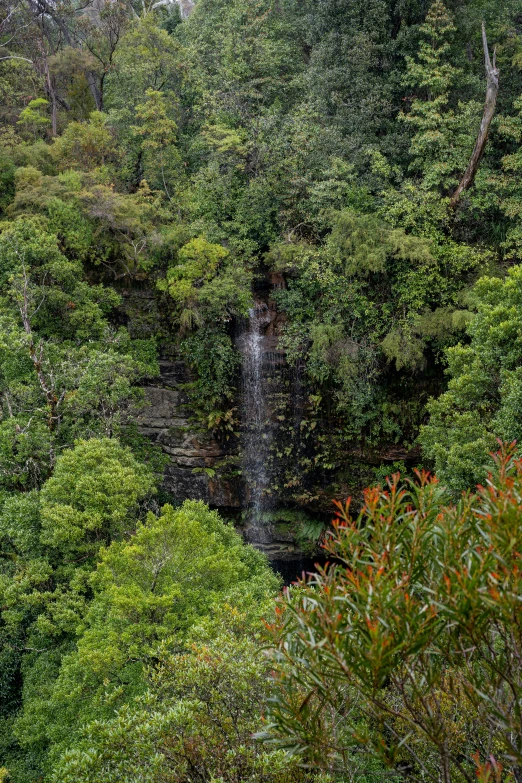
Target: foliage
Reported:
[(373, 294), (507, 182), (65, 371), (175, 570), (89, 498), (406, 645), (32, 118), (442, 140), (199, 712), (85, 145), (49, 544), (204, 285), (157, 176), (481, 401), (158, 134), (214, 358)]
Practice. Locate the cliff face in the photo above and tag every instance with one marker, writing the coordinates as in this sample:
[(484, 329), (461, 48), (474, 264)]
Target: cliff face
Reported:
[(193, 470), (201, 468), (267, 480)]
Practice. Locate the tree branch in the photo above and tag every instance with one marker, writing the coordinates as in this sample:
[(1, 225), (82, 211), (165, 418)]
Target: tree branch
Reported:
[(492, 74), (15, 57)]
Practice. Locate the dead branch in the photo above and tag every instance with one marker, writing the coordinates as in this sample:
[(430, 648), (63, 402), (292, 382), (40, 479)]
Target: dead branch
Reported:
[(492, 74), (15, 57)]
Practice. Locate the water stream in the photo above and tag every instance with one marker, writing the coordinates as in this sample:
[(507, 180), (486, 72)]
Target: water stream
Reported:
[(272, 409), (257, 426)]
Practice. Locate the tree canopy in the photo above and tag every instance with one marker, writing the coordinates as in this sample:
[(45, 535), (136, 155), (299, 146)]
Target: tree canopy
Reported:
[(167, 167)]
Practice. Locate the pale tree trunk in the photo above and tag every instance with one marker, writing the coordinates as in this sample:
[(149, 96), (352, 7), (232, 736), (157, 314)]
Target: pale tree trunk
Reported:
[(95, 90), (49, 83), (492, 74), (36, 355), (52, 95)]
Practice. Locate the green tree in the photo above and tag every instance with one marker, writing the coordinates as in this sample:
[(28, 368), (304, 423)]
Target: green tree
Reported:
[(199, 712), (205, 284), (370, 296), (159, 68), (482, 400), (32, 118), (436, 124), (175, 570), (64, 371), (91, 498), (85, 145), (507, 184), (49, 542), (161, 164)]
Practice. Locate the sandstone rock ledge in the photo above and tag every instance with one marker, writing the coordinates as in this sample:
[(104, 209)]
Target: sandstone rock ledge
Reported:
[(165, 420)]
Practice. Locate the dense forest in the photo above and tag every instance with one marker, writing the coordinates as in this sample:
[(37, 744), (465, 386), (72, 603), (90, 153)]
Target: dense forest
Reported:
[(304, 219)]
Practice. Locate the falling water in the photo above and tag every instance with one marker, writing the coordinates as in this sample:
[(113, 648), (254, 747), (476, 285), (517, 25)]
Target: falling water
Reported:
[(273, 400), (256, 424)]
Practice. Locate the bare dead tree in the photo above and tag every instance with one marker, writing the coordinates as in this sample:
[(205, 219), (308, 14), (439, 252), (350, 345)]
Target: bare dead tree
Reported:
[(12, 24), (42, 9), (492, 74)]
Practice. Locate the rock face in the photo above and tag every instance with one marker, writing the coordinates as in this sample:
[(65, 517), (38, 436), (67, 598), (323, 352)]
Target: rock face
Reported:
[(185, 8), (199, 467), (294, 499), (194, 469), (277, 541)]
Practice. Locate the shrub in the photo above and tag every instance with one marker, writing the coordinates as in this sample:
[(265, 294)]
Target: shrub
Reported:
[(407, 644)]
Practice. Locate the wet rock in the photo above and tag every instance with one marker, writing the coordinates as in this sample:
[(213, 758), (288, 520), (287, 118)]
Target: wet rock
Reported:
[(165, 420)]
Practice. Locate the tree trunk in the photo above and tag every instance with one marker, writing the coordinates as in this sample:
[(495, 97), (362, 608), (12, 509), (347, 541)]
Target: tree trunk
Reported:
[(37, 356), (492, 74), (95, 90), (52, 95)]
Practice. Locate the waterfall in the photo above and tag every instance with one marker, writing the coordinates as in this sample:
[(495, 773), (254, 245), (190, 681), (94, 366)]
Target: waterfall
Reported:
[(257, 426), (273, 444)]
